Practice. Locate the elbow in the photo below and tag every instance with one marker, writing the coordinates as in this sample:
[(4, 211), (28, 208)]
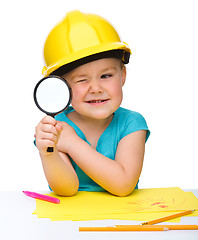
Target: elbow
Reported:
[(123, 193), (66, 191), (123, 190)]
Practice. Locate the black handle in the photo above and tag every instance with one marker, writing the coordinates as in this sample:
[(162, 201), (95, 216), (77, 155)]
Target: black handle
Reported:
[(50, 149)]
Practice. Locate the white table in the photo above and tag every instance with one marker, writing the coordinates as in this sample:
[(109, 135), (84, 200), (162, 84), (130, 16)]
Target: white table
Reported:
[(18, 222)]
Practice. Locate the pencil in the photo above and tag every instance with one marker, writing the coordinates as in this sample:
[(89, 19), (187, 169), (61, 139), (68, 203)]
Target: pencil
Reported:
[(119, 229), (168, 217), (181, 227), (170, 227)]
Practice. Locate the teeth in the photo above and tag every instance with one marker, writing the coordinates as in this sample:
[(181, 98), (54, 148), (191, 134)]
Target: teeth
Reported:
[(97, 101)]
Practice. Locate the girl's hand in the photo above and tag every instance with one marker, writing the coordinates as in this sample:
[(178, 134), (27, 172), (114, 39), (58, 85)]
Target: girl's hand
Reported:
[(67, 137), (47, 134)]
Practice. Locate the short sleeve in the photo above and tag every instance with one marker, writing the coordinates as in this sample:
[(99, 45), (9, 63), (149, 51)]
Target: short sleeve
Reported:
[(135, 122)]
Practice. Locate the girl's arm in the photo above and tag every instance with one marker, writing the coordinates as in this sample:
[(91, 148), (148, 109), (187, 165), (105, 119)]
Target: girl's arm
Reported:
[(59, 173), (118, 177), (58, 169)]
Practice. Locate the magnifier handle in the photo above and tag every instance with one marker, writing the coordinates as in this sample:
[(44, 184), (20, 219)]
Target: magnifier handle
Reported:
[(50, 149)]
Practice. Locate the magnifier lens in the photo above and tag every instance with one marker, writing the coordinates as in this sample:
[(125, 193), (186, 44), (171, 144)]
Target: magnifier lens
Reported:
[(52, 95)]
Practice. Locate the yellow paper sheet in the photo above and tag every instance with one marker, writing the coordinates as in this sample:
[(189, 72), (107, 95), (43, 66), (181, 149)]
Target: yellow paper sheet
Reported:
[(125, 216), (141, 205)]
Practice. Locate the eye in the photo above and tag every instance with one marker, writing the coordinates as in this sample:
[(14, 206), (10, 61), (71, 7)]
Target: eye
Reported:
[(81, 80), (106, 76)]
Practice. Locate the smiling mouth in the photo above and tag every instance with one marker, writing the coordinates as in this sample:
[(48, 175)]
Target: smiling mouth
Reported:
[(97, 101)]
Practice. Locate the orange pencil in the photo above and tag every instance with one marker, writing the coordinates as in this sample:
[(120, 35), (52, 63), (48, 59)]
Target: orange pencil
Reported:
[(170, 227), (181, 227), (168, 217), (119, 229)]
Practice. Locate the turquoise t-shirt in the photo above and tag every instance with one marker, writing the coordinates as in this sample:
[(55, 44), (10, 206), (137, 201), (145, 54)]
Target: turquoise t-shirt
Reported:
[(123, 123)]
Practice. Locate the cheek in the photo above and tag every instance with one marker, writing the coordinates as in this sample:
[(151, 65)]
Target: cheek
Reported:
[(77, 94), (117, 89), (118, 94)]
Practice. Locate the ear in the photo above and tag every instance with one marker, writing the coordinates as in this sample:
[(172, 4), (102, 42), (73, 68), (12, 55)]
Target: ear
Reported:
[(123, 75)]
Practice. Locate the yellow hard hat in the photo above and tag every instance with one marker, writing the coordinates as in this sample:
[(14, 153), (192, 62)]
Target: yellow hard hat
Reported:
[(81, 36)]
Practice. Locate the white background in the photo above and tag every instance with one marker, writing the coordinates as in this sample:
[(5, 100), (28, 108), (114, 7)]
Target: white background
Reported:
[(161, 84)]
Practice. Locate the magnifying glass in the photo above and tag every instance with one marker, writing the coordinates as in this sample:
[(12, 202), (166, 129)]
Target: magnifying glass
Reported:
[(52, 95)]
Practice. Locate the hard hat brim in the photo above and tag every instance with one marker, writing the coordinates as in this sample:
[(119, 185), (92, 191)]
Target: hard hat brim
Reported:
[(118, 53), (86, 55)]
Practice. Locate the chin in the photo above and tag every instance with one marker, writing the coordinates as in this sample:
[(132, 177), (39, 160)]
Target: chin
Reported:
[(101, 114)]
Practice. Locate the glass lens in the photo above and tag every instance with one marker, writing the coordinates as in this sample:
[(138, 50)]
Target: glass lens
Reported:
[(52, 95)]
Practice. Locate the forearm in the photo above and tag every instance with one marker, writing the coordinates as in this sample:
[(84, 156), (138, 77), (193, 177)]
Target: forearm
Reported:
[(60, 175), (106, 172)]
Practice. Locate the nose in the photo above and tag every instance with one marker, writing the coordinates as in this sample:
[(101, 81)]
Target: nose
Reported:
[(95, 86)]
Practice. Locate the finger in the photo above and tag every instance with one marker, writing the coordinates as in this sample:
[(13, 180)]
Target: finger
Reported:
[(59, 127), (62, 123), (45, 120), (44, 143), (48, 128), (48, 136), (48, 120)]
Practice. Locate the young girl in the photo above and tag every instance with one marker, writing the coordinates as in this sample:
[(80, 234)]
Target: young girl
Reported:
[(98, 146)]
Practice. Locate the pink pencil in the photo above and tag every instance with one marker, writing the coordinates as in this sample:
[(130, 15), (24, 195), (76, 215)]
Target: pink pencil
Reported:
[(41, 197)]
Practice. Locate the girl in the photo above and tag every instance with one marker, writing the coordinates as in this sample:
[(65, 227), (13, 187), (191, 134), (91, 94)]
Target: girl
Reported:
[(98, 146)]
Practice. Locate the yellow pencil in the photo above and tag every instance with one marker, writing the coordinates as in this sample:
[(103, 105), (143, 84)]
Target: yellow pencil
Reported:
[(170, 227), (129, 228), (168, 217)]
